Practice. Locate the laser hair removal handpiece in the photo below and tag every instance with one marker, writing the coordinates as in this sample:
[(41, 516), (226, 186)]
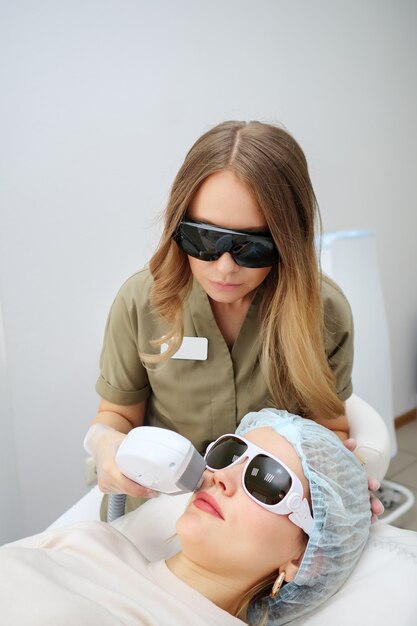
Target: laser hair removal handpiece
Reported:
[(161, 460), (158, 459)]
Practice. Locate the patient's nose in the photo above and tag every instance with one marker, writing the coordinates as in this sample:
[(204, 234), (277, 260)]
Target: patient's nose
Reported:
[(228, 479)]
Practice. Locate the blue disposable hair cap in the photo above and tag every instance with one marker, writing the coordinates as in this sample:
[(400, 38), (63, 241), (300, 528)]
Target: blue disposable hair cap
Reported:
[(341, 511)]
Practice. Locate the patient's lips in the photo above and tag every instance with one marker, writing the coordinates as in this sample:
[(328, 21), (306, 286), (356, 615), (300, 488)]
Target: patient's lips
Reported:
[(208, 503)]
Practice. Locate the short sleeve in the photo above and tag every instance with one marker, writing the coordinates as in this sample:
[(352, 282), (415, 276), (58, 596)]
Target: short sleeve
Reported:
[(338, 336), (123, 378)]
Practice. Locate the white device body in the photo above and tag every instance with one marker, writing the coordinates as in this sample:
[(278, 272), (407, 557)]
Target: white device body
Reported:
[(161, 460)]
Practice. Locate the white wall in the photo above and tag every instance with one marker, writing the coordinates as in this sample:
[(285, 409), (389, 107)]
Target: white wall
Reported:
[(11, 523), (100, 100)]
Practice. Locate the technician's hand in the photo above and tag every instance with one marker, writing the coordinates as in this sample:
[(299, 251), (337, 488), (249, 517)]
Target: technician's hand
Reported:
[(377, 508), (102, 442)]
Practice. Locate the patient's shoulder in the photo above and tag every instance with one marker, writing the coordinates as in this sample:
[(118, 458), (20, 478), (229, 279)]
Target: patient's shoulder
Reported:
[(75, 538)]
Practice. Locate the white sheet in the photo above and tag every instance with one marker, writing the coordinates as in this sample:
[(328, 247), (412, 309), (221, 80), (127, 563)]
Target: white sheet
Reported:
[(92, 575)]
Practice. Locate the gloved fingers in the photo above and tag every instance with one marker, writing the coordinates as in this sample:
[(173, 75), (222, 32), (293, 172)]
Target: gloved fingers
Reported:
[(103, 448), (373, 484), (377, 508), (350, 444), (111, 480)]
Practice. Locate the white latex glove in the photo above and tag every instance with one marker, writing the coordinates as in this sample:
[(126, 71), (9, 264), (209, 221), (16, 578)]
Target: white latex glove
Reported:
[(377, 508), (102, 443)]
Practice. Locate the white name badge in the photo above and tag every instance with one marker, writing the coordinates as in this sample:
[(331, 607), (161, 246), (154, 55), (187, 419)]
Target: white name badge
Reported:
[(192, 348)]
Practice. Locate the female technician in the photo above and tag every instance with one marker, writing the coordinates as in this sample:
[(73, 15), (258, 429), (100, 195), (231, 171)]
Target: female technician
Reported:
[(232, 314)]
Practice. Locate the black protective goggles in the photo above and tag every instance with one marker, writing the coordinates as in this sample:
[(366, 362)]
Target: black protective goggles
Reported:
[(208, 243), (265, 479)]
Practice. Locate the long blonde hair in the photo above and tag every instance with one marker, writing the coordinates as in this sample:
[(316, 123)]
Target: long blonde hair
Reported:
[(270, 161), (258, 592)]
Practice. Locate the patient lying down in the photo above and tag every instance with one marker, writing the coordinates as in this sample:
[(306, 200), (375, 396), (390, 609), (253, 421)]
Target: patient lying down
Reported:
[(279, 522)]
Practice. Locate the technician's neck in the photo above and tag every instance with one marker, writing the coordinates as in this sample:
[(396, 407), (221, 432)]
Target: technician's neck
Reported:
[(230, 316)]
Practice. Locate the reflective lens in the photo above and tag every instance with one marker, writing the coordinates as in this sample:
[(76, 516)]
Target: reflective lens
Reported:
[(208, 243), (266, 480), (224, 452)]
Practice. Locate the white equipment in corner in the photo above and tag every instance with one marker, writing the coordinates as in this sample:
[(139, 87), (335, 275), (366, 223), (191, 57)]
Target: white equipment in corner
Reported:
[(350, 258)]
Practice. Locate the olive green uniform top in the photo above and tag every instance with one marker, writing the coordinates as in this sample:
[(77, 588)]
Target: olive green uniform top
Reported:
[(206, 398)]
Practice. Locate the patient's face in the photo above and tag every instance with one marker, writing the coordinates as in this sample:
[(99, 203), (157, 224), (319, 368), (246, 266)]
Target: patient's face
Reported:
[(229, 532)]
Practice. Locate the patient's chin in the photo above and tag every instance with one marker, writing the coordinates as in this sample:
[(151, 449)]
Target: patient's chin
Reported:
[(196, 533)]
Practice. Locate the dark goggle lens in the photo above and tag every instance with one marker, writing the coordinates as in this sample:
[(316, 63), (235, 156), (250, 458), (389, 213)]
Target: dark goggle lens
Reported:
[(266, 480), (225, 452), (199, 243), (208, 244)]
